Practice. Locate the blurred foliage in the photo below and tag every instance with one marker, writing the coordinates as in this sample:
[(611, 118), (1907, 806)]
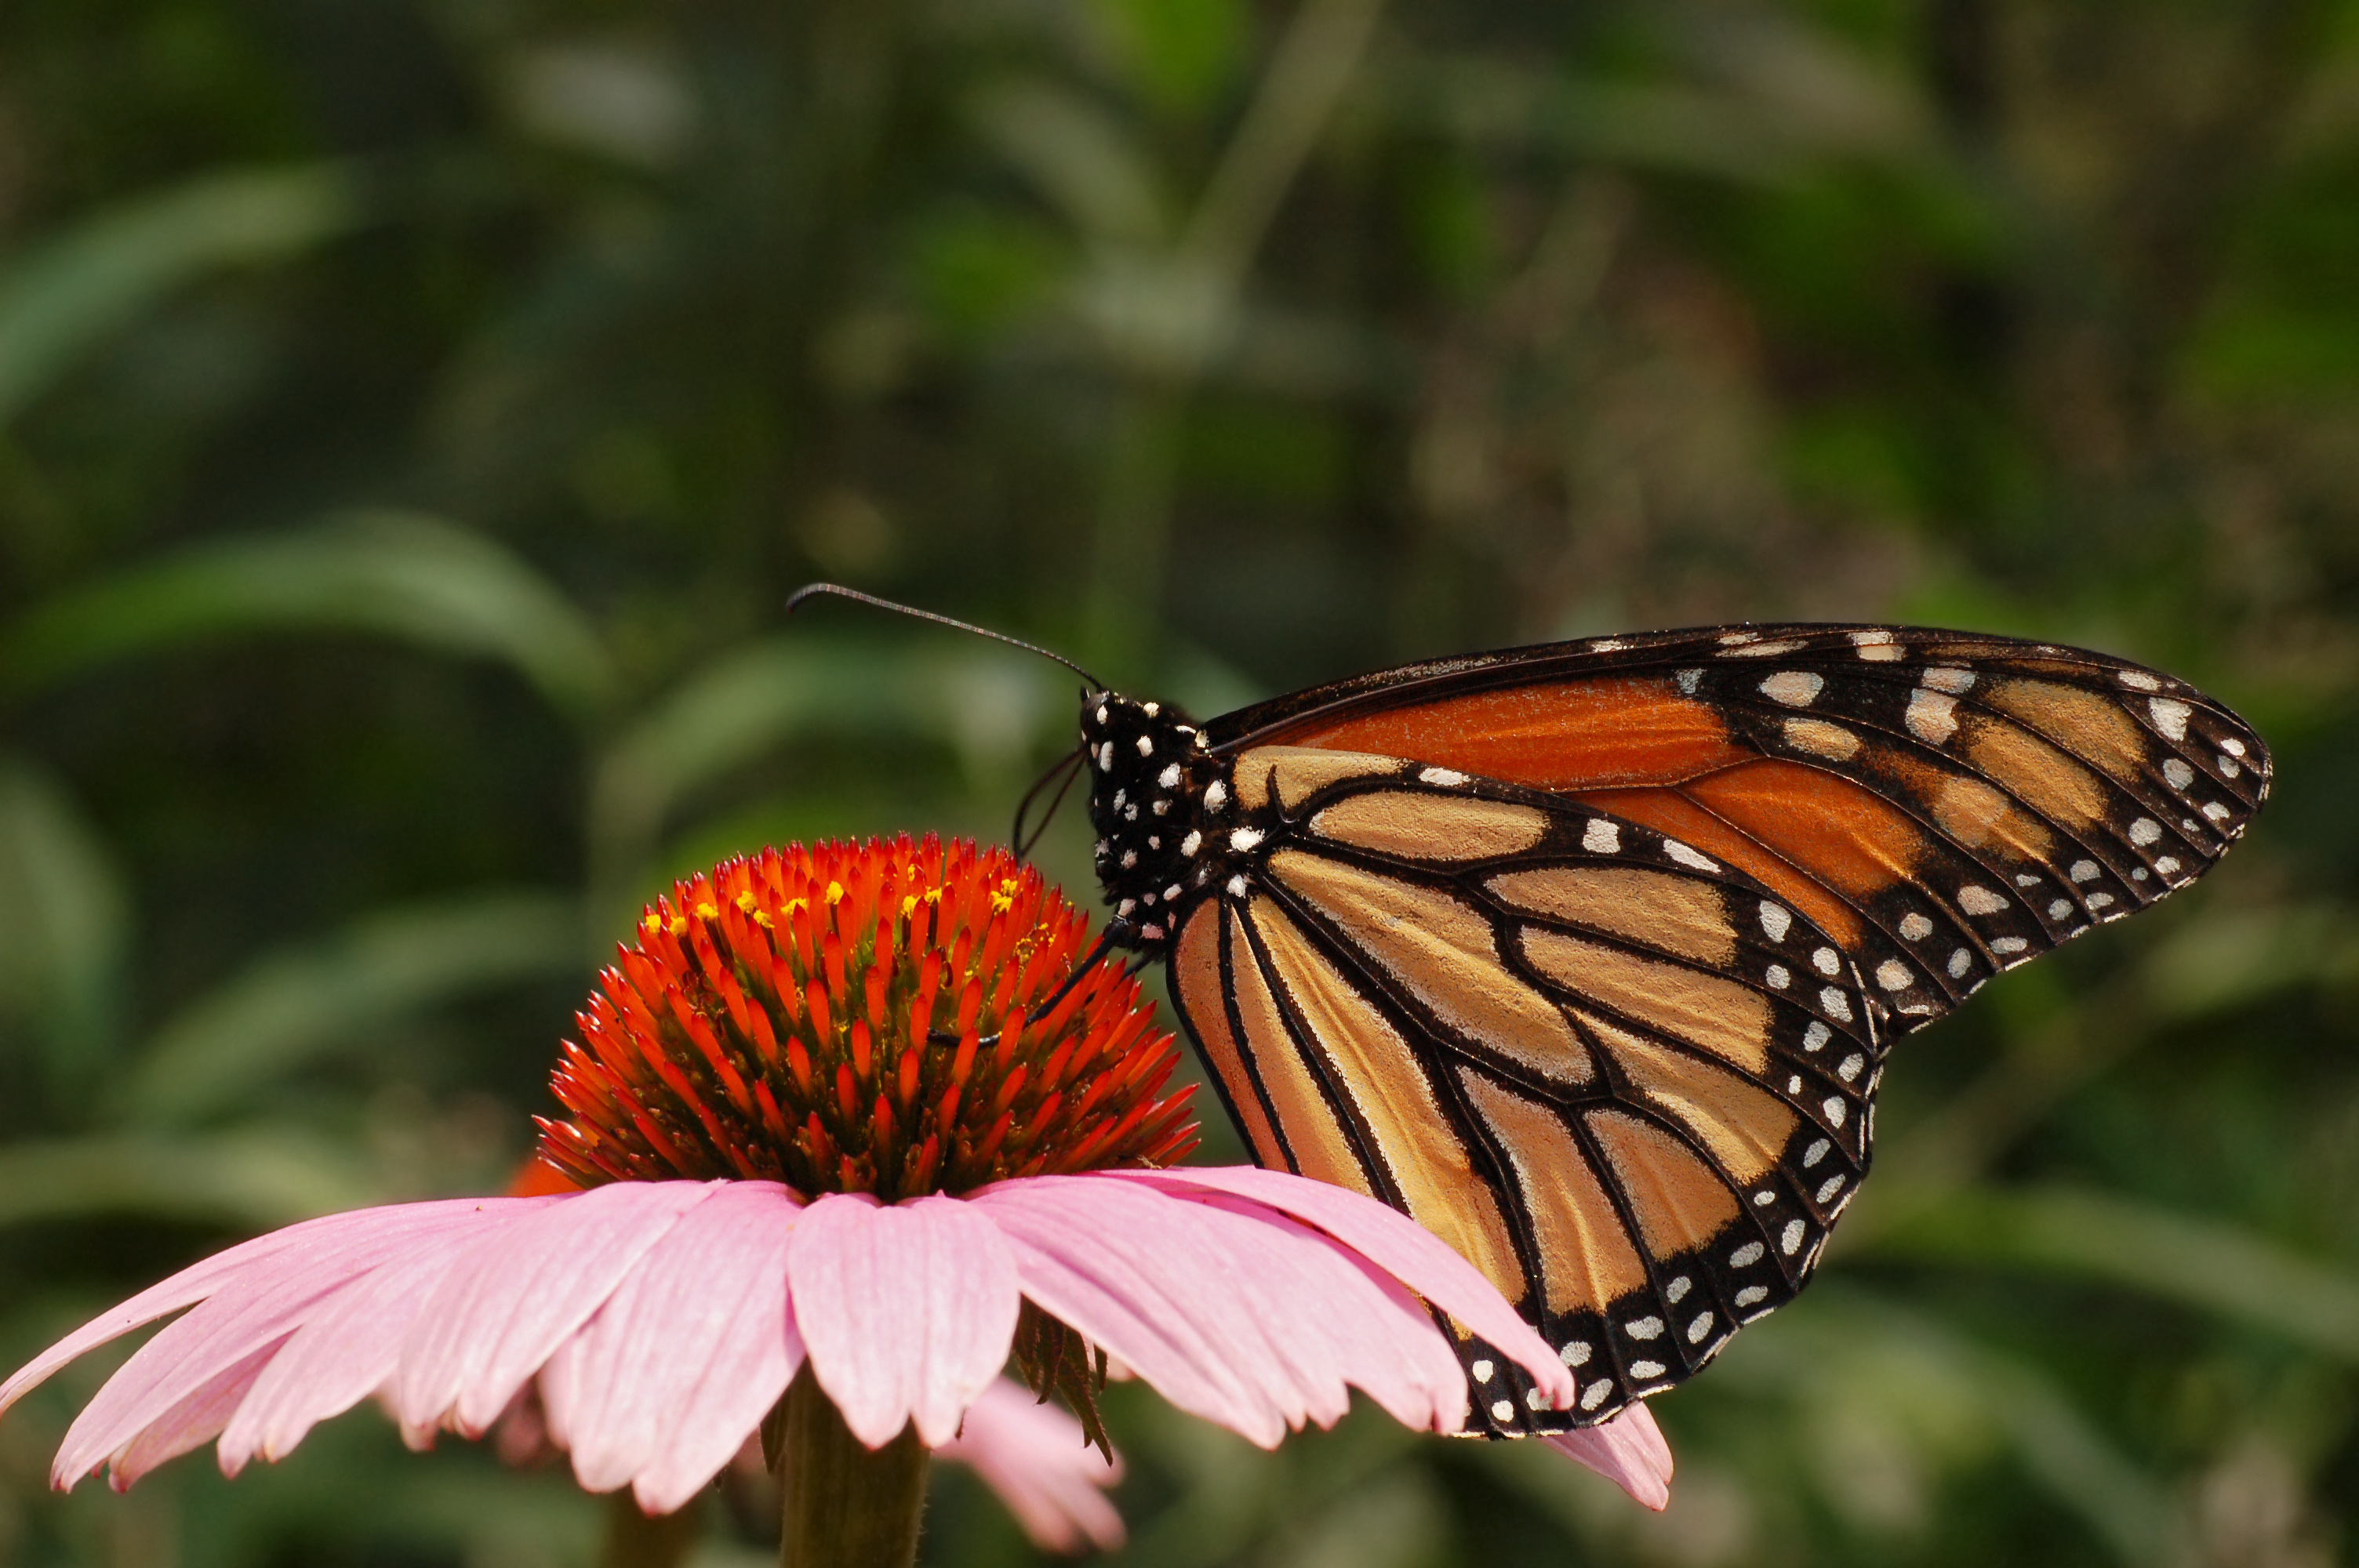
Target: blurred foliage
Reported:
[(413, 414)]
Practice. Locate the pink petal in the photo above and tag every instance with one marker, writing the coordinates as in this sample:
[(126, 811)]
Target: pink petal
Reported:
[(514, 1297), (1237, 1314), (1628, 1450), (259, 1304), (1412, 1254), (187, 1424), (1035, 1457), (907, 1311), (345, 1350), (334, 1244), (678, 1368)]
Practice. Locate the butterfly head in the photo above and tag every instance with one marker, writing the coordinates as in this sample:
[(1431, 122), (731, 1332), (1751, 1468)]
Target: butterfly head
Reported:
[(1149, 776)]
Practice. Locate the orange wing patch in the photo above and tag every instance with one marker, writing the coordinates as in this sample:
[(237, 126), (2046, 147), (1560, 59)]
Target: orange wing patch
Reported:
[(1562, 736)]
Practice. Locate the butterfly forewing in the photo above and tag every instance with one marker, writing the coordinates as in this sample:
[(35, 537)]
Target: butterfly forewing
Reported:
[(1944, 805), (1587, 956)]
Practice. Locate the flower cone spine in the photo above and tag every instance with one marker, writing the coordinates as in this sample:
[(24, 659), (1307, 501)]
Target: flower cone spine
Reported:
[(859, 1017)]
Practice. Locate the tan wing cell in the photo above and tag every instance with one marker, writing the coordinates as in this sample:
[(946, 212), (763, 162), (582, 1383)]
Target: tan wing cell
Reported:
[(1442, 951), (1683, 915), (1442, 829), (1587, 1257), (1427, 1160), (1729, 1020)]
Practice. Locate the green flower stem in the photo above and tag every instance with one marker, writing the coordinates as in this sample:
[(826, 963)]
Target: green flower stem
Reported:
[(634, 1540), (842, 1504)]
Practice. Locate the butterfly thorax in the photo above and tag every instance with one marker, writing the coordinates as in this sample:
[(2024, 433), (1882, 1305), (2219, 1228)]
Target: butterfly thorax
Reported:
[(1153, 787)]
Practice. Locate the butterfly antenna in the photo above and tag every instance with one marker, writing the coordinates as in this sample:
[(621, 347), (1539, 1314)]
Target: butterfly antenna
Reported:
[(810, 591), (1068, 768)]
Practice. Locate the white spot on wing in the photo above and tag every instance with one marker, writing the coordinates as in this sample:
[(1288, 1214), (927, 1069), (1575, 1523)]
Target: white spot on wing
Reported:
[(1795, 688), (1443, 778), (1601, 837), (1790, 1242), (2138, 680), (2177, 773), (1949, 678), (1575, 1353), (1648, 1327), (1835, 1003), (1915, 927), (1687, 856), (1169, 777), (1816, 1035), (1827, 961), (1752, 1294), (1777, 977), (2009, 944), (1244, 838), (1775, 921), (1959, 962), (1893, 975), (1747, 1256), (1689, 680), (2145, 831), (1146, 745), (2169, 716), (1932, 715), (1975, 900), (1761, 650), (2084, 872)]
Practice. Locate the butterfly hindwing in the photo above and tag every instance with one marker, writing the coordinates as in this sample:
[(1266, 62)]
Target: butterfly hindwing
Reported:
[(1628, 1083)]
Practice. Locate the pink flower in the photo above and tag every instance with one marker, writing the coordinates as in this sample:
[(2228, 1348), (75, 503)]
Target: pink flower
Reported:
[(1035, 1457), (777, 1021), (664, 1319)]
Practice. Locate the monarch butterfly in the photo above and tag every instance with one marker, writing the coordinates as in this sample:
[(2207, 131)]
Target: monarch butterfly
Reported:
[(1588, 954)]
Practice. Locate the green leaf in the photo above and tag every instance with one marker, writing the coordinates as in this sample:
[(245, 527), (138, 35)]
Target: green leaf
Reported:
[(64, 921), (67, 294), (1854, 1364), (2203, 1263), (988, 705), (393, 573), (247, 1180), (293, 1009)]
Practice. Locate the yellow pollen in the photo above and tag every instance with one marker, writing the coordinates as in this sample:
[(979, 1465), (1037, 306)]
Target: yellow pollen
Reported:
[(708, 912), (651, 922), (835, 893), (746, 901), (908, 904), (676, 925), (1002, 900), (933, 895)]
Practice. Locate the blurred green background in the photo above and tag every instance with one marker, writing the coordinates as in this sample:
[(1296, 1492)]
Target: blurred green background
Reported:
[(413, 414)]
